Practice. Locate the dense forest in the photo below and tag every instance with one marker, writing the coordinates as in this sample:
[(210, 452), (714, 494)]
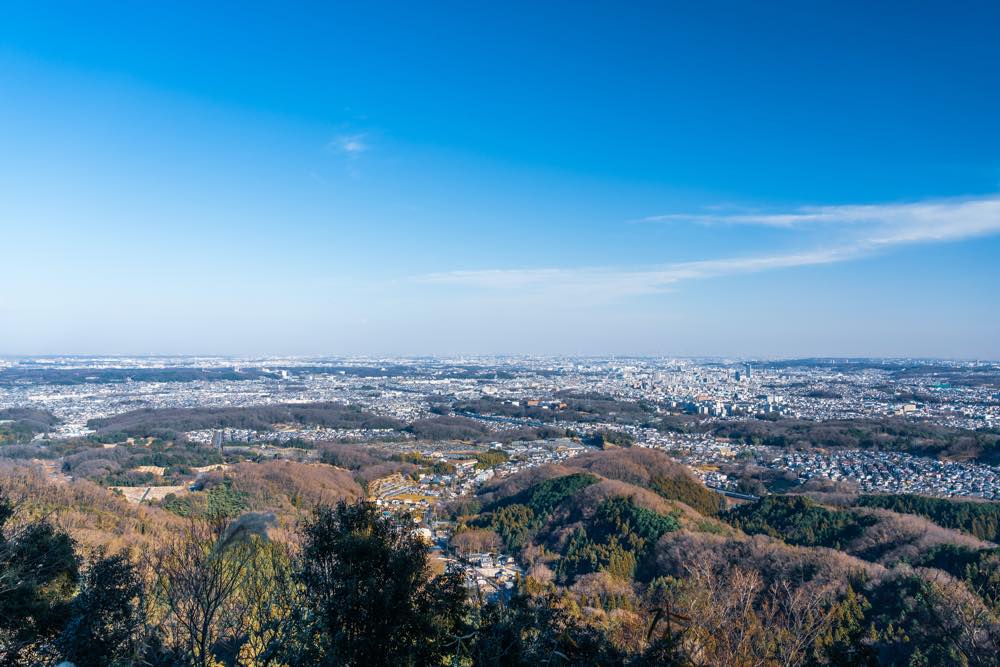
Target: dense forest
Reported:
[(170, 423), (605, 438), (154, 422), (116, 466), (582, 408), (458, 427), (570, 521), (872, 586), (978, 518), (800, 521)]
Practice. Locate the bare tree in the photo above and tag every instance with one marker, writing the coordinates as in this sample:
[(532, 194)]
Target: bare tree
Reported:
[(731, 618), (476, 540), (795, 617), (198, 576), (260, 619), (961, 619)]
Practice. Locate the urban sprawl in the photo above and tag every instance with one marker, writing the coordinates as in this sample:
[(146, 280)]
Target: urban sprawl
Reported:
[(531, 393)]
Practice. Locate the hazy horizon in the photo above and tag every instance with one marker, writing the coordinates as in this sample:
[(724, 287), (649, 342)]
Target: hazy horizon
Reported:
[(497, 355), (792, 181)]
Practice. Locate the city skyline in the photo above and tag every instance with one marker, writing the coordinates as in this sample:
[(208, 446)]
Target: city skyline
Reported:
[(788, 182)]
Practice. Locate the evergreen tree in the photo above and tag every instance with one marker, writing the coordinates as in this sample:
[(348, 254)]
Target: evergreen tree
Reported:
[(368, 596), (108, 616), (38, 576)]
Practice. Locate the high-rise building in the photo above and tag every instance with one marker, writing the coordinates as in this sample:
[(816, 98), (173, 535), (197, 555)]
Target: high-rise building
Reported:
[(749, 370)]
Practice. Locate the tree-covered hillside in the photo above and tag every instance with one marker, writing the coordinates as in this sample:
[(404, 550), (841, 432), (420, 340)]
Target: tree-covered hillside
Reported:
[(265, 564), (977, 518)]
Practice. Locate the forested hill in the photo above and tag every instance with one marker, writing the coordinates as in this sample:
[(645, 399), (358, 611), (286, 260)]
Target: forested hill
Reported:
[(19, 425), (327, 414), (627, 560), (981, 519), (891, 434), (170, 423), (612, 529)]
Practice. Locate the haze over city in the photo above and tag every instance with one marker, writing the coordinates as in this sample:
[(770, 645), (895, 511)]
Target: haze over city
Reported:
[(760, 181)]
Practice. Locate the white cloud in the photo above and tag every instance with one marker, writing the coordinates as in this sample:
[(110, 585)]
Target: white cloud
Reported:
[(869, 229), (351, 145), (936, 220), (605, 282)]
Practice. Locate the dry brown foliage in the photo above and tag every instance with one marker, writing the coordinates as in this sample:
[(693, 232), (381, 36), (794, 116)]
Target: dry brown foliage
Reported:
[(635, 465), (957, 613), (595, 494), (738, 619), (897, 537), (476, 540), (773, 559), (91, 514), (287, 487)]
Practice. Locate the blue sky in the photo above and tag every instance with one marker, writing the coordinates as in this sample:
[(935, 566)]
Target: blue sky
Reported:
[(662, 178)]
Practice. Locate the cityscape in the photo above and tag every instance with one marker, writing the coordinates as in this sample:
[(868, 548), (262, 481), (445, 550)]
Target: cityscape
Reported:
[(673, 405), (955, 395), (509, 334)]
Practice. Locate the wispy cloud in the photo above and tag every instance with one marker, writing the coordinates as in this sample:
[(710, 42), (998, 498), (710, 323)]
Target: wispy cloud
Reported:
[(351, 145), (602, 282), (938, 220), (869, 230)]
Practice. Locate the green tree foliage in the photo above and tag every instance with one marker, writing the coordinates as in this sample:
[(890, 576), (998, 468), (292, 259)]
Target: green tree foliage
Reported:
[(223, 501), (38, 575), (367, 594), (753, 487), (616, 540), (199, 574), (180, 505), (114, 466), (799, 520), (20, 425), (912, 621), (534, 630), (16, 433), (491, 458), (979, 519), (606, 438), (544, 497), (979, 568), (517, 517), (108, 616), (447, 428), (843, 641), (583, 408), (415, 458), (220, 501), (263, 611), (427, 464), (356, 589), (514, 524), (688, 491)]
